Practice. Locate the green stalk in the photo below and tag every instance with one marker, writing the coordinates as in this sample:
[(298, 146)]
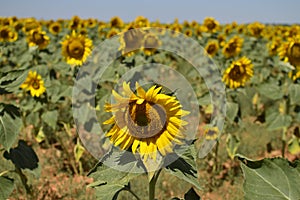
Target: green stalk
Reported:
[(152, 185)]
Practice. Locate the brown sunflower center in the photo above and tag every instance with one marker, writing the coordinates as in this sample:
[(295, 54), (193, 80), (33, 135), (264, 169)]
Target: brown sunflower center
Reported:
[(145, 119), (237, 72), (55, 29), (75, 49), (211, 49), (38, 38), (211, 25), (35, 84), (4, 34)]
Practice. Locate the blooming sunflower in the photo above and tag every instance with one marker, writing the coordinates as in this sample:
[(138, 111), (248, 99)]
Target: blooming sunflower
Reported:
[(34, 83), (38, 38), (212, 47), (211, 133), (256, 29), (76, 48), (238, 73), (290, 51), (131, 41), (116, 22), (211, 24), (148, 123), (150, 44), (7, 34), (55, 28), (233, 47)]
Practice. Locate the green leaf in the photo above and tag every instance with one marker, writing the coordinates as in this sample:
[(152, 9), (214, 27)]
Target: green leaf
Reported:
[(277, 121), (231, 110), (50, 118), (7, 186), (271, 179), (294, 93), (9, 129), (184, 167), (113, 173), (232, 144), (270, 90)]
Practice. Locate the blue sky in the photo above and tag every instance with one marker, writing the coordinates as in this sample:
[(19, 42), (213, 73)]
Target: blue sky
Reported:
[(266, 11)]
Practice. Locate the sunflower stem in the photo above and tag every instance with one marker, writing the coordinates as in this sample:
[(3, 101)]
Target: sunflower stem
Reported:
[(152, 184)]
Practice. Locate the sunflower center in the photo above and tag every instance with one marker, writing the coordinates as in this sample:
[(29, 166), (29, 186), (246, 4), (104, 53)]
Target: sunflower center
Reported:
[(145, 119), (75, 49), (295, 51), (35, 84), (4, 33), (211, 49), (38, 38), (237, 72), (56, 29)]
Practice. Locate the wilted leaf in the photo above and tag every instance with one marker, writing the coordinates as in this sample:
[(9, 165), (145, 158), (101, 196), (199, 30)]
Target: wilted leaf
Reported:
[(232, 144), (271, 179)]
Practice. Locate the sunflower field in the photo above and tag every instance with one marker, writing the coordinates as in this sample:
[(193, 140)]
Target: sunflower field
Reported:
[(147, 110)]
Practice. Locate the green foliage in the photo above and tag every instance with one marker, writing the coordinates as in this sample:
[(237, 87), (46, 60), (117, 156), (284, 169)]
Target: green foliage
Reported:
[(10, 127), (271, 179), (7, 186)]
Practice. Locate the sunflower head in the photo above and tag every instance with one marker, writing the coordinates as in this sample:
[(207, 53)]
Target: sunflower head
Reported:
[(90, 23), (256, 29), (75, 23), (211, 133), (34, 83), (212, 47), (233, 47), (116, 22), (38, 38), (145, 122), (211, 24), (76, 48), (290, 51), (238, 73), (30, 24), (55, 28), (150, 44), (140, 22), (7, 34), (112, 32)]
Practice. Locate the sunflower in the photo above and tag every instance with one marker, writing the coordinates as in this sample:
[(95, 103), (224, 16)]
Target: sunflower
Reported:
[(148, 123), (91, 23), (76, 48), (55, 28), (116, 22), (30, 24), (112, 32), (131, 41), (290, 51), (211, 133), (212, 47), (38, 38), (211, 24), (140, 22), (273, 46), (75, 23), (150, 44), (256, 29), (233, 47), (7, 34), (34, 83), (238, 73)]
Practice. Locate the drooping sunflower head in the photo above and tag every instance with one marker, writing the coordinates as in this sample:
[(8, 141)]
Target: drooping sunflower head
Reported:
[(211, 24), (55, 28), (233, 47), (38, 38), (7, 34), (30, 24), (131, 41), (212, 47), (75, 23), (76, 48), (34, 83), (238, 73), (150, 44), (290, 51), (146, 122)]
